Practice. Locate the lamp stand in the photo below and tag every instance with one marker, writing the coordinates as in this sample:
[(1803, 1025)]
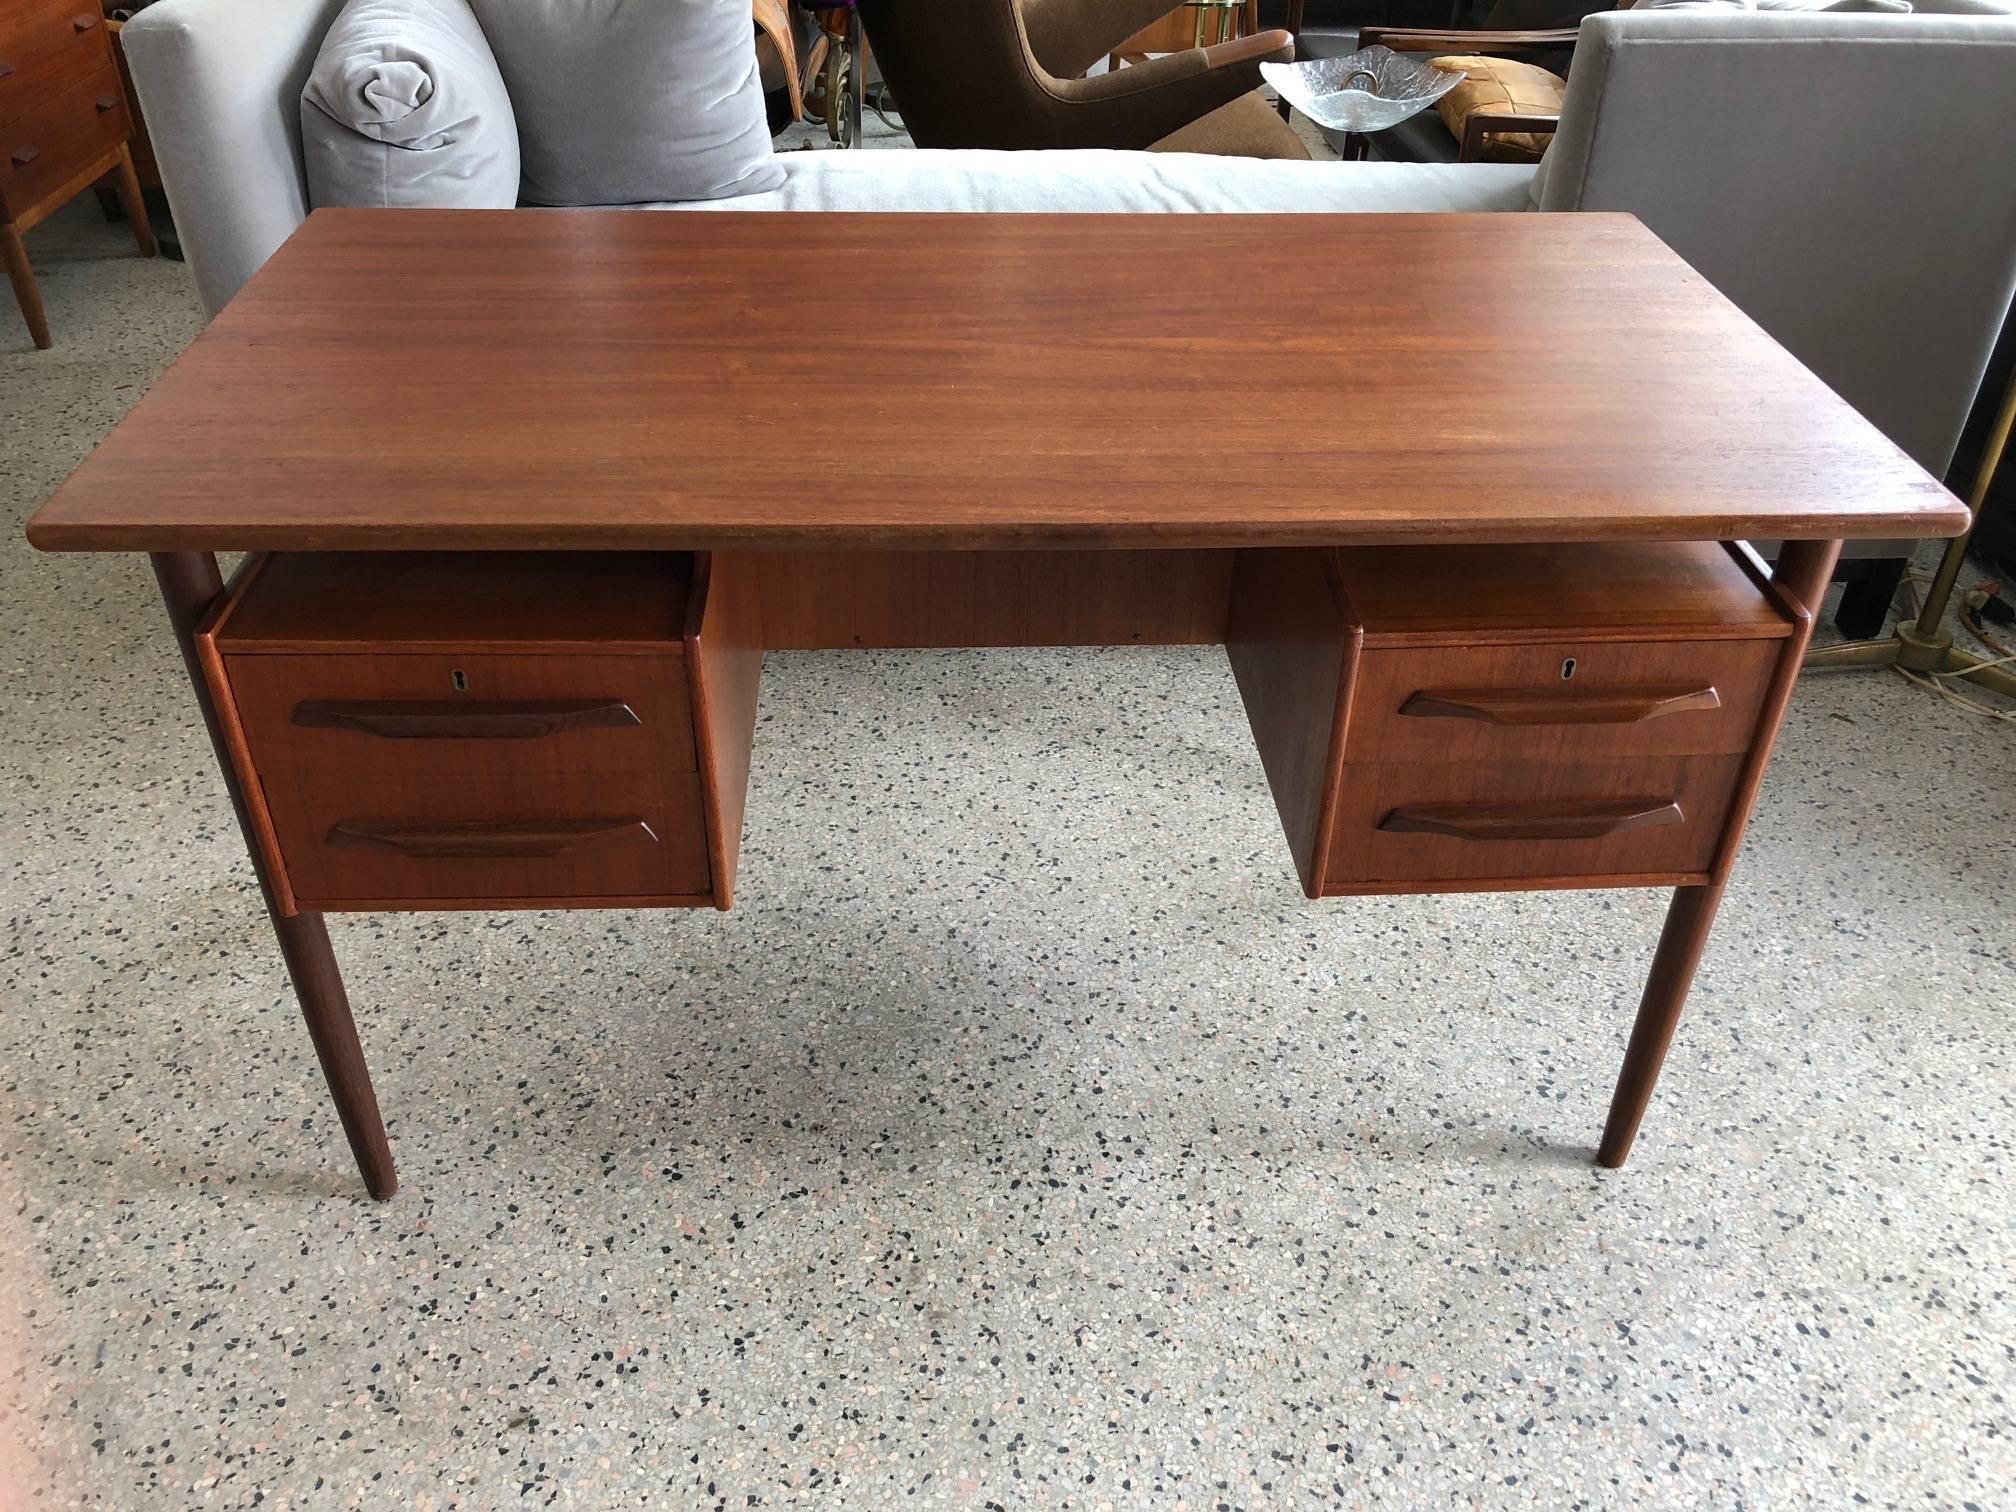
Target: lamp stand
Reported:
[(1924, 645)]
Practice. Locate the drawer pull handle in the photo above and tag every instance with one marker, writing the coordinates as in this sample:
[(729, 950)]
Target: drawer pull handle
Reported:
[(1534, 821), (107, 102), (81, 23), (486, 839), (23, 156), (466, 719), (1556, 706), (6, 70)]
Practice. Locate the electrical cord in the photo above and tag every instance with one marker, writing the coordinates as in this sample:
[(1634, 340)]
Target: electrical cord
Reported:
[(1938, 682)]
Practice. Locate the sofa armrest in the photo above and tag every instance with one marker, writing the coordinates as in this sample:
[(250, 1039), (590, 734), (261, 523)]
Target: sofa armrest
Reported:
[(220, 84)]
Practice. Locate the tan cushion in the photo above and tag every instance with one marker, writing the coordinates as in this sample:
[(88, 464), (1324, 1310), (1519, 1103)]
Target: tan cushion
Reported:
[(1501, 86), (1246, 127)]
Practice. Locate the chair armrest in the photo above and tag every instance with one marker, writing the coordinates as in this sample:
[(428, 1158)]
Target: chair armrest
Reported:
[(1484, 122), (1243, 55), (1419, 39), (1137, 106), (1069, 36)]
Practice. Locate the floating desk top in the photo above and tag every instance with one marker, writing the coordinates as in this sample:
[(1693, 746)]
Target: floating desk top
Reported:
[(567, 380)]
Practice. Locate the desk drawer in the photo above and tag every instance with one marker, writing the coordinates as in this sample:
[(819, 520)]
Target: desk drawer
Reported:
[(470, 729), (49, 144), (440, 842), (46, 47), (1573, 701), (413, 715), (1401, 827)]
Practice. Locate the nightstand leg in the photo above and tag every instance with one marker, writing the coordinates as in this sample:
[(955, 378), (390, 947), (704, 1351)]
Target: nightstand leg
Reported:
[(22, 276), (127, 181), (190, 584)]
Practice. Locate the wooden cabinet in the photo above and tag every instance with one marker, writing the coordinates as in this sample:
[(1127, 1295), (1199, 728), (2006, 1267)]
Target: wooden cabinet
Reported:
[(1510, 716), (64, 125), (458, 730)]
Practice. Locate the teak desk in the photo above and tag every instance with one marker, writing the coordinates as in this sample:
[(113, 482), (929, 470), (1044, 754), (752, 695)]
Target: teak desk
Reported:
[(530, 494)]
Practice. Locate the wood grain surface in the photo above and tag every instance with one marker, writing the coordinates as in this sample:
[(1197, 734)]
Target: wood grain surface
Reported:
[(581, 379), (815, 600)]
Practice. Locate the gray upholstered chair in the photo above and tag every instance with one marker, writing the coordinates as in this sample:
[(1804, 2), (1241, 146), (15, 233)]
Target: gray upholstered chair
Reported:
[(1844, 178)]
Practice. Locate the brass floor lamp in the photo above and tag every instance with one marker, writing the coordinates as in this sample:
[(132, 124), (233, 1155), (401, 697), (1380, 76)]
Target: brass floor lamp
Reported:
[(1924, 645)]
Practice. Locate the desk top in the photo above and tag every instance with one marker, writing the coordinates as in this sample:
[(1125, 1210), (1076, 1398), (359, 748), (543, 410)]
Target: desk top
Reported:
[(583, 379)]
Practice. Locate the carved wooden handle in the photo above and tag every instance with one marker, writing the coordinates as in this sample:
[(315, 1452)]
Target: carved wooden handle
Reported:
[(23, 156), (1534, 821), (1557, 706), (486, 839), (466, 719), (107, 102), (6, 70), (83, 22)]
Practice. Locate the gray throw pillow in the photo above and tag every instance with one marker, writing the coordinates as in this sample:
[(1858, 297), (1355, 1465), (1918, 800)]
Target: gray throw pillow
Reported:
[(405, 108), (622, 102)]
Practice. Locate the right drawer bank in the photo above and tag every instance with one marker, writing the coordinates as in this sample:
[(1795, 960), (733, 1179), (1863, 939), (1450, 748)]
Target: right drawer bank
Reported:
[(1449, 719)]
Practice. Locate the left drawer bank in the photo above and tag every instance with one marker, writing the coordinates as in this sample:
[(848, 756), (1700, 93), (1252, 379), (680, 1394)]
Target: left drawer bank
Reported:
[(490, 730)]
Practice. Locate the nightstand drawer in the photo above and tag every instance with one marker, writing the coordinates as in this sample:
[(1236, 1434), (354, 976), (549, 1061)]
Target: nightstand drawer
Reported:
[(45, 48), (1562, 701), (48, 145), (416, 715), (443, 842), (1521, 824)]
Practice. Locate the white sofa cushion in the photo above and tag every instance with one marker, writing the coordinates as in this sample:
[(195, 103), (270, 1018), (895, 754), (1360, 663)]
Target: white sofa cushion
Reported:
[(1105, 181), (625, 101), (405, 108)]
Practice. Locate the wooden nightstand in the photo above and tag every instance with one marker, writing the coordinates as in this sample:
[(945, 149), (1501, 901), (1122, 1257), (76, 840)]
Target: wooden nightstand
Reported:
[(64, 126)]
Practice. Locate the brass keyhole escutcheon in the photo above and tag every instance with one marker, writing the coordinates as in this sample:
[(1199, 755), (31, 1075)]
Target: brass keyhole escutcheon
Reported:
[(1567, 669), (460, 679)]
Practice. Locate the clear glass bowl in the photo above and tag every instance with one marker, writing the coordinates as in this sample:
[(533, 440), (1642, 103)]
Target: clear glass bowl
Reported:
[(1367, 90)]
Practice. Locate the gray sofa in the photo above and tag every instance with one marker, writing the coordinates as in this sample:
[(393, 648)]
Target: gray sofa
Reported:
[(1844, 178), (220, 84)]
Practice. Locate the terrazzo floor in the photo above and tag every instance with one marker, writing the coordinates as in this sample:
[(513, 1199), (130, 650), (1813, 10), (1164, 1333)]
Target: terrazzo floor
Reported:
[(1022, 1139)]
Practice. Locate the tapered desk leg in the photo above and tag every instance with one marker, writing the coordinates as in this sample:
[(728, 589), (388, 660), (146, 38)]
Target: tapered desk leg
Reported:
[(1803, 571), (190, 583), (1680, 945)]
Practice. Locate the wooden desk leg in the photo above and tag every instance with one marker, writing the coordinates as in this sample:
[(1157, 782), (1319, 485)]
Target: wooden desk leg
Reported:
[(1680, 945), (1803, 572), (190, 583)]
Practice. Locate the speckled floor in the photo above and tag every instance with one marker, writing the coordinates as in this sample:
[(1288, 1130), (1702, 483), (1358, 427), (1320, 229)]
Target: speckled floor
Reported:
[(1023, 1139)]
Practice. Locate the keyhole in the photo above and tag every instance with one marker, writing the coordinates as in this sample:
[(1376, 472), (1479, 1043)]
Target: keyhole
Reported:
[(1567, 669), (461, 680)]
